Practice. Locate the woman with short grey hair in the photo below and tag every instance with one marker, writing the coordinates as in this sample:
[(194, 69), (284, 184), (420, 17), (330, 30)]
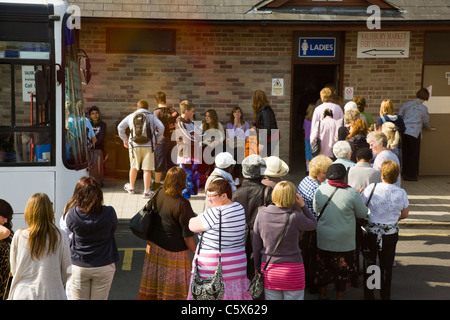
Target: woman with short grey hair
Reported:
[(343, 153)]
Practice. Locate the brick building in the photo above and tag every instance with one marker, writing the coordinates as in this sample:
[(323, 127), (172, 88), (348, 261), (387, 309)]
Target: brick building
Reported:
[(216, 53)]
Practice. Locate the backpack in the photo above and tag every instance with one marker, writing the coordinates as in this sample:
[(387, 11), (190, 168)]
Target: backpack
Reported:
[(168, 117), (140, 133)]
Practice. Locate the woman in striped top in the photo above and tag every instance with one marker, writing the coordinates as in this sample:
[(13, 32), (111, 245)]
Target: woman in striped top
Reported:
[(284, 277), (234, 260)]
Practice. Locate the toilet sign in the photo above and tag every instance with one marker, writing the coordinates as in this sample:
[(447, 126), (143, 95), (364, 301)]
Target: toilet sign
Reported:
[(317, 47)]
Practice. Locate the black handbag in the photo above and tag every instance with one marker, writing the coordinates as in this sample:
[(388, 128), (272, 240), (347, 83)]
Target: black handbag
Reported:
[(315, 144), (257, 284), (141, 223), (211, 288)]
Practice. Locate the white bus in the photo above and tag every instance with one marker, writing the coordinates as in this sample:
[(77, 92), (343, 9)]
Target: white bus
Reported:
[(43, 143)]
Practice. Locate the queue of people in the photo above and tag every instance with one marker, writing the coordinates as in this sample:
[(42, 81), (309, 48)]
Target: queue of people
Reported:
[(309, 236)]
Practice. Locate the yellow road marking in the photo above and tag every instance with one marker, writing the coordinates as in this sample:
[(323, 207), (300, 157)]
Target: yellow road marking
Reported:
[(424, 234), (128, 257)]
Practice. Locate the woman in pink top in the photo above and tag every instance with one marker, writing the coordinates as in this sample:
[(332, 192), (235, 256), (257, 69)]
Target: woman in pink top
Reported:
[(284, 276)]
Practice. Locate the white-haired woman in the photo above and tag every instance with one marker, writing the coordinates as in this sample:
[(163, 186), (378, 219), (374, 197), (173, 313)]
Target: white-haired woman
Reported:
[(342, 150), (378, 143)]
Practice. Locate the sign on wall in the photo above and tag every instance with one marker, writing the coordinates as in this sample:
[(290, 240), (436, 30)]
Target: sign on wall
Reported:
[(317, 47), (386, 44), (277, 86)]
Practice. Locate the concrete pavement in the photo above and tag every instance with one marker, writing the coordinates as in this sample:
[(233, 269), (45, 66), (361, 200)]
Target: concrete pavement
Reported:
[(429, 200)]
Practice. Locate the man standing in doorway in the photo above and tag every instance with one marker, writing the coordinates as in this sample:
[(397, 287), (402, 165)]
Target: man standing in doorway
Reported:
[(145, 132), (415, 116), (163, 159)]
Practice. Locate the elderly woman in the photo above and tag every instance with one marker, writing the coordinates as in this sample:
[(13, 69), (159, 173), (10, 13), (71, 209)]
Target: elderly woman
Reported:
[(387, 206), (342, 150), (284, 276), (232, 250), (167, 263), (336, 229), (378, 143), (307, 188)]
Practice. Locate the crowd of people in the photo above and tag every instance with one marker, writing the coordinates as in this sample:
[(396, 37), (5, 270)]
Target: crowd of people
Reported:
[(254, 220)]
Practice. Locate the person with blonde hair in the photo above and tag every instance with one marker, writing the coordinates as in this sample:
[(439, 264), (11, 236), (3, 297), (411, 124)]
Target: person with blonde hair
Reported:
[(387, 206), (40, 255), (387, 115), (307, 188), (326, 96), (393, 138), (284, 275)]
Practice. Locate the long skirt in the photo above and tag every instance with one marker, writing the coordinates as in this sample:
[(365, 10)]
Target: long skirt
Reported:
[(335, 266), (234, 269), (166, 275)]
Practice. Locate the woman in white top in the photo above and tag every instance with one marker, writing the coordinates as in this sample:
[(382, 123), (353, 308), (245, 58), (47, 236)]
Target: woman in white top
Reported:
[(378, 143), (387, 206), (233, 257), (40, 255)]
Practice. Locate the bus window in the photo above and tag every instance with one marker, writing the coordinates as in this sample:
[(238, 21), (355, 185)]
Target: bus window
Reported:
[(25, 126), (75, 121)]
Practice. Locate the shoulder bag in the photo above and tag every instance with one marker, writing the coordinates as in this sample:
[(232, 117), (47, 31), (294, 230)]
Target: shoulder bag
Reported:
[(363, 222), (326, 204), (257, 285), (211, 288), (315, 144), (141, 223)]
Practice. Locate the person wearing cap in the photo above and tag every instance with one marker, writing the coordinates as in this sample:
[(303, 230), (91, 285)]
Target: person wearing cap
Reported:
[(224, 167), (276, 169), (336, 230), (251, 195)]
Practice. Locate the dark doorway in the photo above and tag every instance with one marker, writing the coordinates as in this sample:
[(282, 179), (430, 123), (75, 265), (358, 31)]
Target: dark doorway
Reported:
[(309, 79)]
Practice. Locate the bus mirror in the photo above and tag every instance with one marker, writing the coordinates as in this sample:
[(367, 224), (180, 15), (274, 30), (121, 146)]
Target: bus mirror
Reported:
[(85, 67), (41, 87)]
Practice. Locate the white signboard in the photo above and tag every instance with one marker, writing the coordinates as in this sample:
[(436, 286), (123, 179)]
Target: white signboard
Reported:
[(348, 93), (385, 44), (277, 86), (28, 85)]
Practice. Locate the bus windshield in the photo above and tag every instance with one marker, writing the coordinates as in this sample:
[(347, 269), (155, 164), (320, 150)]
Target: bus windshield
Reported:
[(28, 101)]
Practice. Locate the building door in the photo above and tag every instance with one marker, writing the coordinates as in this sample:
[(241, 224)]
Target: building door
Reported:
[(435, 142), (308, 80)]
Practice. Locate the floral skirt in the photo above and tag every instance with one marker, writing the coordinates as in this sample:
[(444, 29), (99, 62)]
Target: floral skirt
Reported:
[(335, 266), (166, 275)]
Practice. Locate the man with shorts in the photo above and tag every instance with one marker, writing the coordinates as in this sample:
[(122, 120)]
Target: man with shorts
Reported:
[(163, 151), (145, 131)]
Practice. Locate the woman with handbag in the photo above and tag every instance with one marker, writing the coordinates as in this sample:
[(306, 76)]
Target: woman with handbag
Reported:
[(339, 205), (276, 251), (221, 251), (387, 206), (167, 264)]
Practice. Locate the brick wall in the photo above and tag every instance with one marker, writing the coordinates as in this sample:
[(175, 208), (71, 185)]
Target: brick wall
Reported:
[(378, 79), (214, 67)]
